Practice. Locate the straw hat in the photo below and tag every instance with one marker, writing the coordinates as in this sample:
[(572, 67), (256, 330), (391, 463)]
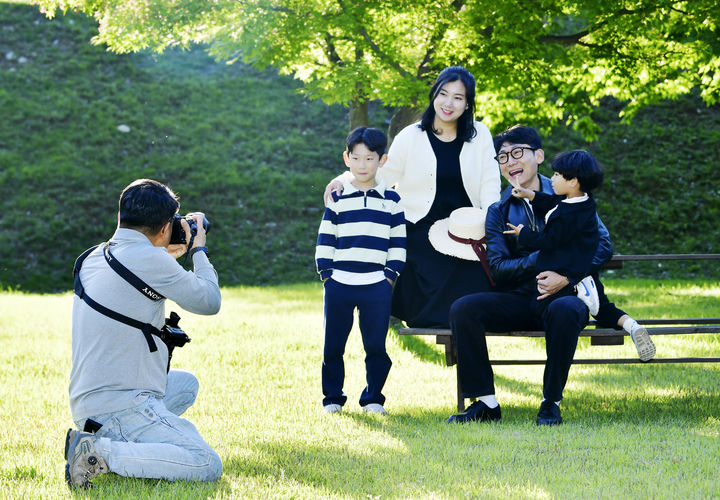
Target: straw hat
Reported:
[(455, 235)]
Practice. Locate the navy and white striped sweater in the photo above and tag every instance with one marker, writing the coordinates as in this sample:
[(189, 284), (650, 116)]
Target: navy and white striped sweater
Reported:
[(362, 233)]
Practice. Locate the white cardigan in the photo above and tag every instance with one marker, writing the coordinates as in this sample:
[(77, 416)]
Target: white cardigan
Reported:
[(412, 168)]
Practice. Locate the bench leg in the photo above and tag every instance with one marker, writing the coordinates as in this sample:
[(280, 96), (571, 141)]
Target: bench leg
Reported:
[(460, 398), (609, 340)]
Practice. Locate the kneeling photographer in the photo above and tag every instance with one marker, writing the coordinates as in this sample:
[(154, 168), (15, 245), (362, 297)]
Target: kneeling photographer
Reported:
[(125, 400)]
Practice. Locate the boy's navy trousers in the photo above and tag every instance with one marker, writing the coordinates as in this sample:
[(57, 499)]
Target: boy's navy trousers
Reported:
[(373, 304)]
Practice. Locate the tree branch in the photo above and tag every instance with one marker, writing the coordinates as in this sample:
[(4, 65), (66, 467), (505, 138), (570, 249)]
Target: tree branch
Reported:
[(330, 51), (377, 50), (576, 37), (383, 56), (424, 66), (566, 39)]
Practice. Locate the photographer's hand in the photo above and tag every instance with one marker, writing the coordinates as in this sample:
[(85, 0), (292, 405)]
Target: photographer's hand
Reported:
[(178, 250), (200, 237)]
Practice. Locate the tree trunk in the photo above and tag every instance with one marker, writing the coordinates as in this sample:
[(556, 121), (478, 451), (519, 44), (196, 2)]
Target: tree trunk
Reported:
[(358, 114), (402, 118)]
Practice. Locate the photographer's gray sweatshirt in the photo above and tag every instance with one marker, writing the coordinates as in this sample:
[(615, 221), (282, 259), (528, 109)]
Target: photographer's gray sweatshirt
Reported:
[(112, 366)]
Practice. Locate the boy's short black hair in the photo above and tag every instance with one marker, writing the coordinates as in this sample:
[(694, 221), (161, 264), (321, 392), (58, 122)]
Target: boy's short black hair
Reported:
[(373, 139), (149, 204), (580, 164), (518, 134)]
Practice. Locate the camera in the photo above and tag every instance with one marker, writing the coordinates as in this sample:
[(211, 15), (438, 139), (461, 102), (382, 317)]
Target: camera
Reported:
[(177, 235), (172, 334)]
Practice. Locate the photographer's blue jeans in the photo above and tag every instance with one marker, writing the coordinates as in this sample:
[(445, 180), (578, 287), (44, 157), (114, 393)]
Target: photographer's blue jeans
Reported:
[(150, 440)]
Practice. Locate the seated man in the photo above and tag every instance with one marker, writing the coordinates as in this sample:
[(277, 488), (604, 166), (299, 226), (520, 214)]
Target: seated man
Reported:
[(120, 387), (510, 308)]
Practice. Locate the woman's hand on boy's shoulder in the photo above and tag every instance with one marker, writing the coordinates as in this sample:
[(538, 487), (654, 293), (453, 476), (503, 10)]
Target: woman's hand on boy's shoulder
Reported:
[(334, 186)]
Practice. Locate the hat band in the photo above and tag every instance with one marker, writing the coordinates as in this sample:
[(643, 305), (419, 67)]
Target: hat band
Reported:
[(478, 248)]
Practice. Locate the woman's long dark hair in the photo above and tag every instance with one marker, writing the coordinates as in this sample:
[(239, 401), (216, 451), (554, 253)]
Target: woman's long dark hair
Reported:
[(465, 124)]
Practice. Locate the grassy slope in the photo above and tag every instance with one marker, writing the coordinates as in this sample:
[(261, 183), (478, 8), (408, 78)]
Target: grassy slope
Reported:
[(243, 146), (660, 193), (237, 143)]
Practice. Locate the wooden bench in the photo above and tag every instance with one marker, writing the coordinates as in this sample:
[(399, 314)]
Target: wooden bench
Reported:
[(598, 336)]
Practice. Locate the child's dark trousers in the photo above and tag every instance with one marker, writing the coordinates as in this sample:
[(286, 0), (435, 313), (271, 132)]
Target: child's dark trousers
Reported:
[(373, 304)]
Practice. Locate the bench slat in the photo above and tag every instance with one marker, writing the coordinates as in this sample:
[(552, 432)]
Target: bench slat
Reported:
[(588, 332), (668, 256), (607, 361)]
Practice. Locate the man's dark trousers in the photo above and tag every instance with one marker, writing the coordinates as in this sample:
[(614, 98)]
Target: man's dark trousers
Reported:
[(471, 316), (373, 304)]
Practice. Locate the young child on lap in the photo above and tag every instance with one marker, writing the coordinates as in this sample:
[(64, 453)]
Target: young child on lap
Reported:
[(566, 244), (569, 241)]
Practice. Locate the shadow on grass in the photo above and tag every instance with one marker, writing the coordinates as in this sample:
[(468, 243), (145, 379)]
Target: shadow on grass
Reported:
[(114, 486), (352, 472), (421, 456), (419, 348), (631, 394)]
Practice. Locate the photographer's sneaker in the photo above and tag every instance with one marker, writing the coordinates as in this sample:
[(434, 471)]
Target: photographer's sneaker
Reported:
[(643, 343), (587, 292), (83, 463), (374, 408)]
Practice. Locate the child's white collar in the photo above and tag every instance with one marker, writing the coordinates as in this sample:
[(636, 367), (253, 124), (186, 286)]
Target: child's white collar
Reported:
[(348, 187), (577, 199)]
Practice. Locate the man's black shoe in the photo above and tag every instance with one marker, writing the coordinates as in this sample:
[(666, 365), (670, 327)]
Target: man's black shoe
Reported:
[(549, 414), (476, 412)]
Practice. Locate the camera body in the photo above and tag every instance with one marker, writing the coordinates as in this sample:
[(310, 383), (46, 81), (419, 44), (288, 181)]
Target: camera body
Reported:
[(173, 337), (172, 334), (177, 234)]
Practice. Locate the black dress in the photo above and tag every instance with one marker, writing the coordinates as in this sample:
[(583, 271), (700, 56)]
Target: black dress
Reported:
[(432, 281)]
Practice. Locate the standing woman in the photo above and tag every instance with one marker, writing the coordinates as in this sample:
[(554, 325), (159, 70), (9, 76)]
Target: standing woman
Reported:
[(444, 162)]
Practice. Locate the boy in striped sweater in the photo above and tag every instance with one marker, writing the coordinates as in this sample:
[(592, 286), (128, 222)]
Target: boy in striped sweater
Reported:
[(360, 253)]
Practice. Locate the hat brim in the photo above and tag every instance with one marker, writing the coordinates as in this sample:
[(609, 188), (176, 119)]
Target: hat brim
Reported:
[(438, 236)]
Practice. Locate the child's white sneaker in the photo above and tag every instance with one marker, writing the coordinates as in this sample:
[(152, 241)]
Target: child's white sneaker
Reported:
[(644, 345), (587, 292), (374, 408), (332, 408)]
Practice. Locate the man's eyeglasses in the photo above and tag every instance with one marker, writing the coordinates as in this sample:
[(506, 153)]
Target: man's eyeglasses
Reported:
[(514, 152)]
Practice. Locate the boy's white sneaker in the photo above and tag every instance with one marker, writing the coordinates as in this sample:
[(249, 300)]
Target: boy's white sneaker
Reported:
[(644, 345), (332, 408), (587, 292), (374, 408)]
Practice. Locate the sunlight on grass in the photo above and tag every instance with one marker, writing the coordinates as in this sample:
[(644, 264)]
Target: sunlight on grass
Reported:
[(629, 431)]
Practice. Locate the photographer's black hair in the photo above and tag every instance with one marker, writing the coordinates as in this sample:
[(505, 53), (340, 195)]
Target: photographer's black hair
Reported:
[(465, 124), (373, 139), (146, 203), (518, 134), (580, 164)]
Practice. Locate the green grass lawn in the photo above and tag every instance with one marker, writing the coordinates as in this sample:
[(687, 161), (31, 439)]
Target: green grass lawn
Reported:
[(630, 431)]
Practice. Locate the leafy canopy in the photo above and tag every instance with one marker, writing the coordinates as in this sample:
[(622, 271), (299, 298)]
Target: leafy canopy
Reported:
[(538, 61)]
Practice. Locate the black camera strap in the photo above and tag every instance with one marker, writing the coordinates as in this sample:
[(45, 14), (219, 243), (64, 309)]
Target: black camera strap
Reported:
[(147, 329), (128, 276)]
